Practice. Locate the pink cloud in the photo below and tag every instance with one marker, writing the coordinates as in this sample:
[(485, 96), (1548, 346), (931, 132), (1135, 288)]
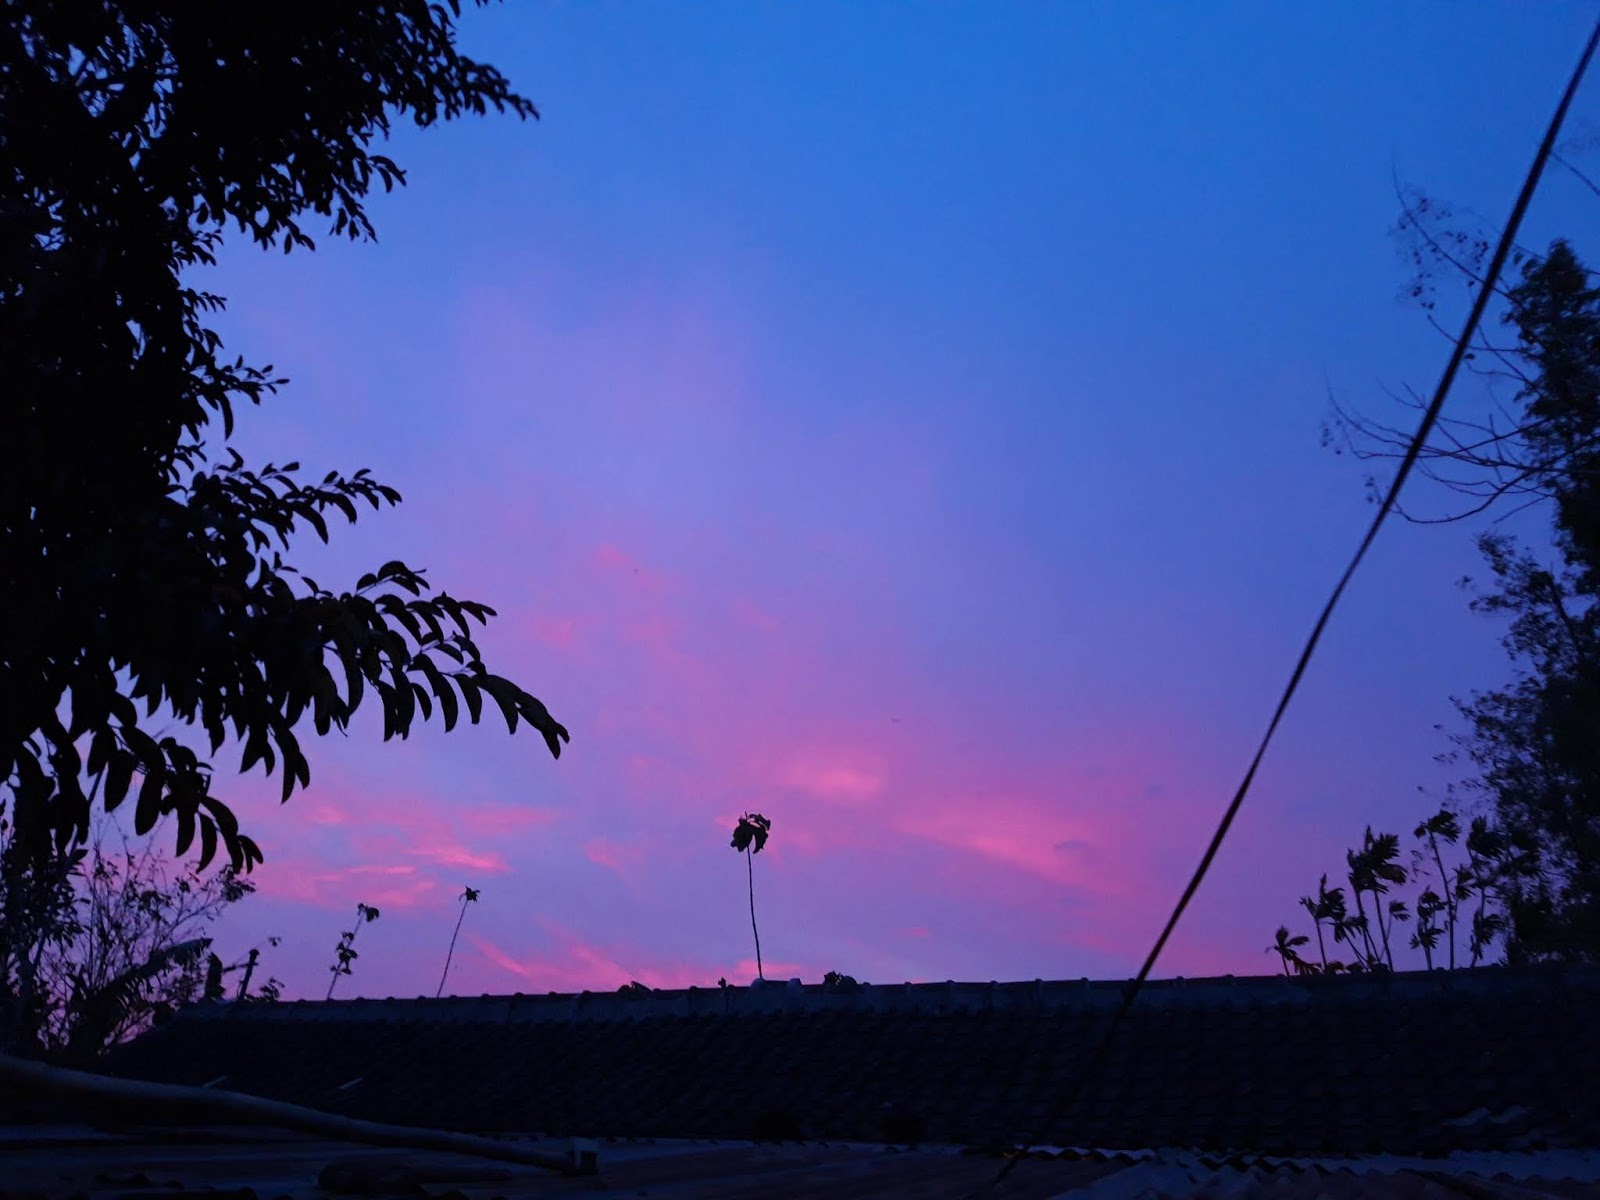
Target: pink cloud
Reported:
[(1020, 834), (574, 966), (832, 779), (323, 851), (558, 633), (554, 956), (386, 886), (460, 856), (608, 555), (496, 820), (617, 565), (612, 855)]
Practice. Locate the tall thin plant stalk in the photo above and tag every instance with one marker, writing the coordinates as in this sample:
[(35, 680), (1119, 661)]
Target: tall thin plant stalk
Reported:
[(468, 896), (749, 836)]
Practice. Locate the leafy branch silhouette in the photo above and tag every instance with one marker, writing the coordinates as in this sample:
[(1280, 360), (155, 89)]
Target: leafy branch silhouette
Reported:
[(345, 952)]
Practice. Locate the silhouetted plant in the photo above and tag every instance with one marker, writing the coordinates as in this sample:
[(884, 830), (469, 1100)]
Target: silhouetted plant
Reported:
[(1492, 859), (749, 836), (1399, 914), (344, 954), (1287, 949), (1372, 869), (1357, 875), (1428, 932), (1345, 930), (270, 990), (1327, 905), (468, 896), (1384, 854), (1499, 866), (124, 943), (1443, 827)]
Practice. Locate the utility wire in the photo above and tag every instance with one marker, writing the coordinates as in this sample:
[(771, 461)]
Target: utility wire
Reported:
[(1485, 290)]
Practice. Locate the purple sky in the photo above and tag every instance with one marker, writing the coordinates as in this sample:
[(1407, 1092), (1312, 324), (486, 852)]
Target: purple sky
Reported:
[(902, 421)]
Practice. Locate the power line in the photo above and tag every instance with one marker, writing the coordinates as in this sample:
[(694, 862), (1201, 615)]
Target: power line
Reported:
[(1484, 291)]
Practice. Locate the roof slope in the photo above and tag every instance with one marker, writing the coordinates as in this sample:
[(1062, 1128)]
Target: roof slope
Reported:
[(218, 1164), (1401, 1064)]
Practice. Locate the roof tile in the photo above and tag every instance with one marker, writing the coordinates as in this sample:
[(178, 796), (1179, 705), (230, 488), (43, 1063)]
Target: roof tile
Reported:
[(1333, 1065)]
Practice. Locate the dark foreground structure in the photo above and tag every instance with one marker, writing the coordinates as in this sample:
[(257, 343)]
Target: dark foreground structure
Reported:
[(1484, 1082)]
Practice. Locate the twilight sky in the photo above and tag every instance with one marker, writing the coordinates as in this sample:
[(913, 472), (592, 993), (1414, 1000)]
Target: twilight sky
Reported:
[(902, 421)]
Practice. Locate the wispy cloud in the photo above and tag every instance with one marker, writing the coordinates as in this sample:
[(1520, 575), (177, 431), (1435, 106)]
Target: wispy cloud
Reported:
[(615, 856)]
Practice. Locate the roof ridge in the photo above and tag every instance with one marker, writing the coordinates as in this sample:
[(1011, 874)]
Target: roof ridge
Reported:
[(776, 997)]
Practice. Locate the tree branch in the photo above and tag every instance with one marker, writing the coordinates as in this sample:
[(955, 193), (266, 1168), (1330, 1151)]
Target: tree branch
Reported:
[(140, 1100)]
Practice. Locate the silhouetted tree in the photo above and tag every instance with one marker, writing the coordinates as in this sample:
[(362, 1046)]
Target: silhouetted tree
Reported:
[(1535, 744), (143, 558), (749, 836), (1523, 448), (1533, 747)]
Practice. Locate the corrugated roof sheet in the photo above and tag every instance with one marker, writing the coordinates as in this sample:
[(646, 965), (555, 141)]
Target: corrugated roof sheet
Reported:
[(54, 1164)]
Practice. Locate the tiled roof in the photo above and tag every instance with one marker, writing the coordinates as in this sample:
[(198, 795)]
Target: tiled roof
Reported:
[(1410, 1064)]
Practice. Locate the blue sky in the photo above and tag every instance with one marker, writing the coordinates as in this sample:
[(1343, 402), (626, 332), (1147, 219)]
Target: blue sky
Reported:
[(902, 420)]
